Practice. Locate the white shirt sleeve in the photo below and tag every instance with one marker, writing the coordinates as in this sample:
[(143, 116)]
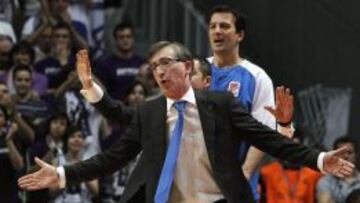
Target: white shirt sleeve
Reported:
[(320, 162), (94, 94), (62, 179), (263, 96)]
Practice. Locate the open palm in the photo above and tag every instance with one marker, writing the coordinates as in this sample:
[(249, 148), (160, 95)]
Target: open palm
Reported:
[(284, 106), (44, 178), (83, 69), (335, 164)]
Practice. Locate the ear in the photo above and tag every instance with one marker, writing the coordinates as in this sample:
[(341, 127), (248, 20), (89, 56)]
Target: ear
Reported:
[(241, 36), (207, 81), (189, 65)]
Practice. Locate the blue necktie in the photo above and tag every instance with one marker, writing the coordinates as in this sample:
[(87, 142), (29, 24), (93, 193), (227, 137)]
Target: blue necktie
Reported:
[(167, 172)]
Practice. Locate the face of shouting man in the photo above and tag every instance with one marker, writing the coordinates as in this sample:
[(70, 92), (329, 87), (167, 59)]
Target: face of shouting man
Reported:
[(171, 72)]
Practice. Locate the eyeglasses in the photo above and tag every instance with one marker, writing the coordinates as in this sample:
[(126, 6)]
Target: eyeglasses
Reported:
[(164, 63)]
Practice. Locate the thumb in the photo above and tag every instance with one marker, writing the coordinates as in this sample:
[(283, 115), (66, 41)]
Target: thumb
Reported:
[(40, 162), (270, 109), (341, 151)]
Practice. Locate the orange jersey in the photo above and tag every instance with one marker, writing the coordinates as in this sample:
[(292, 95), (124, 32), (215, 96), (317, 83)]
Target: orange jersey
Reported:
[(289, 186)]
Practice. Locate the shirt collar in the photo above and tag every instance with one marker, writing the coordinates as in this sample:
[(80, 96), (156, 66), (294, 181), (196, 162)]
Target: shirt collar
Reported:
[(189, 96)]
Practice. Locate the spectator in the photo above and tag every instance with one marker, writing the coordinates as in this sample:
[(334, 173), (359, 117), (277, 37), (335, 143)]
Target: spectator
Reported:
[(81, 113), (136, 95), (119, 70), (52, 13), (331, 189), (25, 130), (51, 148), (286, 182), (62, 60), (11, 160), (27, 102), (7, 30), (23, 54), (7, 40), (83, 192), (43, 44), (201, 75), (6, 45)]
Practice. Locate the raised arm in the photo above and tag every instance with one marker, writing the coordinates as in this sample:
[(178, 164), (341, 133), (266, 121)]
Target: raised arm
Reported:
[(113, 110)]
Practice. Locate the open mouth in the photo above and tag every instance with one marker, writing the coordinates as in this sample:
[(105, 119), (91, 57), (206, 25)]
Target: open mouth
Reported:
[(218, 41)]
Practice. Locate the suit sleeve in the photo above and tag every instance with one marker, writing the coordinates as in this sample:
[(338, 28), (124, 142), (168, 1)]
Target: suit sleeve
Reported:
[(114, 110), (117, 156), (268, 140)]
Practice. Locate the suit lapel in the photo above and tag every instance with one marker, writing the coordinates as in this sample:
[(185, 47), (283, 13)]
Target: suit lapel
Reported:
[(158, 122), (207, 120)]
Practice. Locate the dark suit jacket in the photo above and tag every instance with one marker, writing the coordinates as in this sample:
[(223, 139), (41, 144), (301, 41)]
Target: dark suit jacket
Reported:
[(225, 124)]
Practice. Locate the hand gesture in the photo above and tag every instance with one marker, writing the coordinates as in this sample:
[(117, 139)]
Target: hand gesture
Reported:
[(44, 178), (284, 106), (83, 69), (335, 164)]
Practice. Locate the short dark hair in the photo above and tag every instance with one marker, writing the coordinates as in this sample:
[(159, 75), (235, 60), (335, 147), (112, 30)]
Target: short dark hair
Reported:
[(122, 26), (62, 25), (205, 66), (21, 68), (240, 20), (23, 46), (343, 140), (181, 51)]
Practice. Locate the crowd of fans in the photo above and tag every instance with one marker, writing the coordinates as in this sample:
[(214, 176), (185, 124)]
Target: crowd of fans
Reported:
[(43, 114)]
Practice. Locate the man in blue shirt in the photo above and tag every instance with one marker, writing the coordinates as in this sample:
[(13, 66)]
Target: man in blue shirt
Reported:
[(248, 82)]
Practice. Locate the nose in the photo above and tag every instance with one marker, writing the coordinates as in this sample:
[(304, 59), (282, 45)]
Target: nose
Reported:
[(217, 29)]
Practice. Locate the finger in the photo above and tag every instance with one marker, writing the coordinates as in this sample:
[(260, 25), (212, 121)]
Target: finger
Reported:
[(270, 109), (40, 162), (28, 185), (347, 170), (25, 178), (339, 175), (287, 91), (27, 181), (278, 93), (32, 186), (348, 164)]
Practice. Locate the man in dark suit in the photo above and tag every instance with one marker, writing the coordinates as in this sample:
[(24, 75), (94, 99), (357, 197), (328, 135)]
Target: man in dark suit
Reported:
[(206, 127)]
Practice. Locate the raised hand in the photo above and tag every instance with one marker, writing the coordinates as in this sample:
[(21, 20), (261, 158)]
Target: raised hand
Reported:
[(284, 106), (83, 69), (44, 178), (335, 163)]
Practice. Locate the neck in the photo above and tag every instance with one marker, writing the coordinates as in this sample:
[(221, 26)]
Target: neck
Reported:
[(124, 54), (180, 93), (226, 59), (74, 155), (22, 97)]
